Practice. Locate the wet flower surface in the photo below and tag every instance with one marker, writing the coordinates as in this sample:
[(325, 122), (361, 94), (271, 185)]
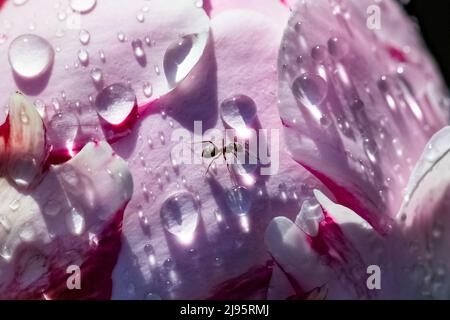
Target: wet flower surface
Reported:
[(345, 121)]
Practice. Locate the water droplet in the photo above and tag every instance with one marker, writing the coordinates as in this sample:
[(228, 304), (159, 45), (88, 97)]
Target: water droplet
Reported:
[(309, 217), (121, 37), (115, 103), (83, 57), (238, 112), (152, 296), (140, 17), (85, 37), (23, 172), (82, 6), (148, 89), (162, 138), (30, 56), (198, 3), (96, 75), (14, 205), (102, 56), (137, 48), (318, 53), (310, 90), (239, 200), (5, 253), (4, 222), (20, 2), (75, 222), (182, 56), (337, 47), (179, 216)]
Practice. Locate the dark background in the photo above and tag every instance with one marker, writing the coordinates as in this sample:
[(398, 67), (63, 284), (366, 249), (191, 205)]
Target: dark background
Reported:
[(434, 20)]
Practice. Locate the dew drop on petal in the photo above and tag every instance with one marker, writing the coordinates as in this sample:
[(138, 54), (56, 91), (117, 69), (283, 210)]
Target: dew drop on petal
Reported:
[(238, 200), (82, 6), (181, 57), (310, 90), (121, 37), (75, 222), (96, 75), (179, 216), (318, 53), (152, 296), (83, 56), (20, 2), (140, 17), (138, 49), (85, 36), (30, 56), (309, 217), (337, 47), (238, 112), (147, 89), (115, 103)]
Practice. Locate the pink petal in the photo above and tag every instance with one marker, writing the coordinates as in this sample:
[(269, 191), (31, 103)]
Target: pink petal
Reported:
[(363, 107), (225, 251), (46, 231), (72, 80)]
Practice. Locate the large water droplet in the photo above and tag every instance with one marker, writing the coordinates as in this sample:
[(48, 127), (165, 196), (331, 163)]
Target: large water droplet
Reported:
[(115, 103), (310, 90), (179, 216), (63, 126), (238, 112), (239, 200), (82, 6), (30, 56), (309, 217), (182, 56)]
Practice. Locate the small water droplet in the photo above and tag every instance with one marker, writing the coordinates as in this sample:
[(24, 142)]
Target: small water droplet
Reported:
[(152, 296), (30, 56), (309, 217), (20, 2), (121, 37), (96, 75), (318, 53), (179, 216), (102, 56), (115, 103), (82, 6), (85, 37), (75, 222), (140, 17), (14, 205), (137, 48), (238, 200), (337, 47), (148, 89)]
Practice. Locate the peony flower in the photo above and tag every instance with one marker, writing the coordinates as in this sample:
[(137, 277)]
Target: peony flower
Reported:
[(334, 106)]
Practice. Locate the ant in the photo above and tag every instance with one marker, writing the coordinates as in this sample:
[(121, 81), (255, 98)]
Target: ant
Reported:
[(212, 151)]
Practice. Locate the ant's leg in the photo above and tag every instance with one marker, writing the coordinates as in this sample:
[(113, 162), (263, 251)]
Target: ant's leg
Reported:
[(210, 164)]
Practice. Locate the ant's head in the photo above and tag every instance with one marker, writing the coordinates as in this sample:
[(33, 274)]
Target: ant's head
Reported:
[(210, 152)]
